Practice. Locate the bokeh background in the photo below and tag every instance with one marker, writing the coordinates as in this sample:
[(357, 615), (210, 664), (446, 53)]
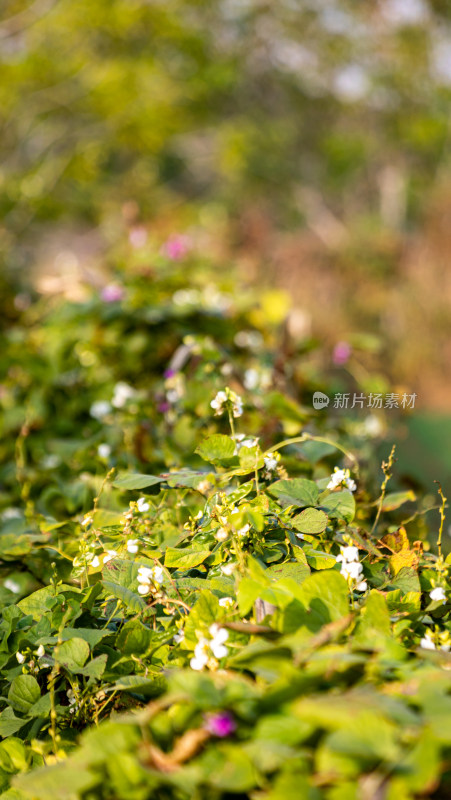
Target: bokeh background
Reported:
[(306, 142)]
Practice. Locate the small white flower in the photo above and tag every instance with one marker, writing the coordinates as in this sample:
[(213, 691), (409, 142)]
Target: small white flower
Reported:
[(244, 530), (157, 575), (20, 657), (100, 409), (144, 574), (427, 642), (200, 659), (218, 403), (438, 594), (226, 602), (271, 463), (362, 586), (87, 520), (351, 570), (349, 553), (11, 585), (219, 636), (227, 569), (221, 535), (341, 477), (132, 546), (40, 651), (104, 451), (179, 636), (110, 554), (142, 504), (122, 393), (95, 562), (144, 588)]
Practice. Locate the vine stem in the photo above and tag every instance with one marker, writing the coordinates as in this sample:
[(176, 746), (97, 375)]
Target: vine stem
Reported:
[(442, 518)]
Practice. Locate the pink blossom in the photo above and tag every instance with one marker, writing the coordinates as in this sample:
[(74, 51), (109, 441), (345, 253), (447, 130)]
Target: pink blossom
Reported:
[(176, 247), (221, 724), (112, 293), (341, 353)]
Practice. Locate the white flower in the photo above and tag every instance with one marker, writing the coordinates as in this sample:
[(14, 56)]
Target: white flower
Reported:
[(351, 570), (362, 586), (20, 657), (104, 451), (271, 463), (144, 574), (132, 546), (11, 585), (341, 477), (228, 569), (148, 575), (200, 659), (142, 504), (95, 562), (221, 534), (179, 636), (226, 602), (87, 520), (40, 651), (100, 409), (349, 553), (219, 636), (157, 575), (244, 530), (122, 393), (219, 403), (427, 642), (337, 478), (110, 554), (438, 594)]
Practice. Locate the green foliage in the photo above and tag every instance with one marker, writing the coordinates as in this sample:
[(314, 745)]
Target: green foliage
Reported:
[(241, 628)]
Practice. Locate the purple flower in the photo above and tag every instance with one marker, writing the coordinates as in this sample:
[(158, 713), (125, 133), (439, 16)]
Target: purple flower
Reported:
[(112, 293), (221, 724), (163, 407), (176, 247), (169, 373), (341, 353)]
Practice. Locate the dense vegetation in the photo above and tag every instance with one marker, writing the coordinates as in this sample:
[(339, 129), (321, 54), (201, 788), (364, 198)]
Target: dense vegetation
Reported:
[(209, 589)]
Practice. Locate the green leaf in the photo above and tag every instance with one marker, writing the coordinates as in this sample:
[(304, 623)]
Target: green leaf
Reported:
[(298, 492), (184, 559), (151, 685), (297, 571), (9, 723), (136, 480), (134, 638), (132, 601), (216, 448), (317, 559), (23, 693), (325, 595), (394, 500), (72, 654), (35, 602), (312, 521), (339, 505)]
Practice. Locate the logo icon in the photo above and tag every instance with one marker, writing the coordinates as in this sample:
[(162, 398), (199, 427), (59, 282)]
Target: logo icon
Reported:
[(320, 400)]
